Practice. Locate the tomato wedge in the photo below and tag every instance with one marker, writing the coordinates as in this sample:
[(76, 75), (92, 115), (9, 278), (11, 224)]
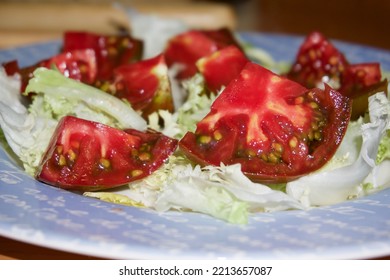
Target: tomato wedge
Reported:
[(111, 50), (145, 84), (79, 65), (318, 61), (86, 155), (186, 48), (231, 59), (275, 128), (357, 78)]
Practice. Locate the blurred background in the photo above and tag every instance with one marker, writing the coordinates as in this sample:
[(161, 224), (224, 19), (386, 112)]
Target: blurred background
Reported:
[(360, 21)]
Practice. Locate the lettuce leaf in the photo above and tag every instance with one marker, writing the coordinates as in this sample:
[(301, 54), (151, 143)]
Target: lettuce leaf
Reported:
[(59, 96), (384, 148), (26, 134)]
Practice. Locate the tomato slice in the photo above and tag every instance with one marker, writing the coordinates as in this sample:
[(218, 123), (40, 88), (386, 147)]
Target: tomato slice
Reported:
[(111, 50), (231, 59), (86, 155), (275, 128), (357, 78), (77, 64), (318, 61), (145, 84), (186, 48)]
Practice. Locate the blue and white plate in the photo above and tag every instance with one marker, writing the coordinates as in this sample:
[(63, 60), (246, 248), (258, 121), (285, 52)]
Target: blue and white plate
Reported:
[(39, 214)]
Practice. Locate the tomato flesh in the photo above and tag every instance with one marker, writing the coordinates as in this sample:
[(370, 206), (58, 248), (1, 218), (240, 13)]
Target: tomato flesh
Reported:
[(222, 66), (275, 128), (86, 155), (186, 48), (145, 84)]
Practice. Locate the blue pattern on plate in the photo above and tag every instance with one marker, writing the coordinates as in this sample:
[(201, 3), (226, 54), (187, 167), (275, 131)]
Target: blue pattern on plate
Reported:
[(33, 212)]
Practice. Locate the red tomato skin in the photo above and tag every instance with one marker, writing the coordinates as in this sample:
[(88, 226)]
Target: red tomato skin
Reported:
[(88, 156), (111, 50), (79, 65), (246, 124)]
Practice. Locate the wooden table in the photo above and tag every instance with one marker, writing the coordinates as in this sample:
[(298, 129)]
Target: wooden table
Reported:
[(30, 22), (13, 250), (361, 22)]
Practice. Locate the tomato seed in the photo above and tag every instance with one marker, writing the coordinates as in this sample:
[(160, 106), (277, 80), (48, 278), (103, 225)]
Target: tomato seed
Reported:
[(299, 100), (333, 60), (112, 51), (217, 135), (293, 142), (60, 149), (204, 139), (277, 147), (251, 153), (264, 157), (145, 156), (104, 163), (273, 158), (71, 155), (136, 173), (302, 59), (125, 43), (61, 160), (317, 135), (313, 105), (312, 55), (83, 69), (310, 136)]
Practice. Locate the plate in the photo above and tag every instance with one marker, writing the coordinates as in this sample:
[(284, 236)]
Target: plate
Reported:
[(42, 215)]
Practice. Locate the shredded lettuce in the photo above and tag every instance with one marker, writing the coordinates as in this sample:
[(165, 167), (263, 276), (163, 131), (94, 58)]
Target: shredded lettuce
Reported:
[(384, 148), (26, 134), (195, 108), (60, 96), (223, 192)]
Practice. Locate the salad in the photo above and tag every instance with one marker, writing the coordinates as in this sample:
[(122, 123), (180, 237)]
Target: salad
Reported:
[(195, 120)]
